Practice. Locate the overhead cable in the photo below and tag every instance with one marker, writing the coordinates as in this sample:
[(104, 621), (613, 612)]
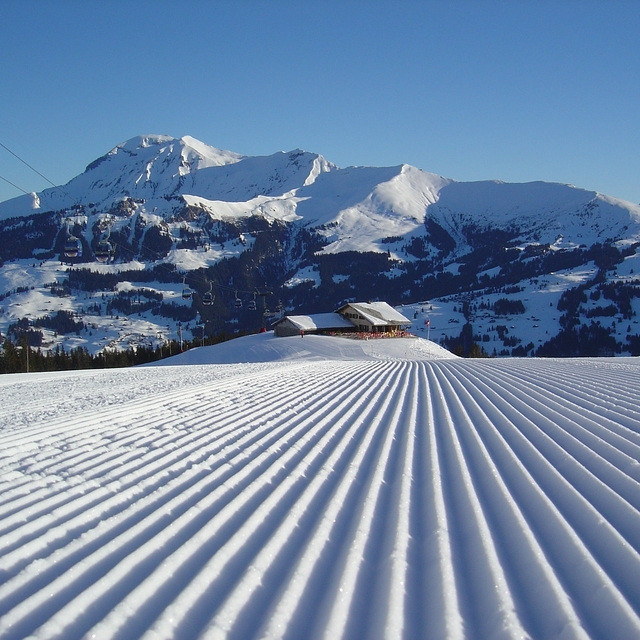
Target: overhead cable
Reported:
[(15, 185), (53, 184)]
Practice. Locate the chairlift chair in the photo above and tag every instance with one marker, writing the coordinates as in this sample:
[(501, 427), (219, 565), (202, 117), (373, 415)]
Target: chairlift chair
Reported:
[(104, 251), (187, 292), (237, 303), (208, 297), (73, 247)]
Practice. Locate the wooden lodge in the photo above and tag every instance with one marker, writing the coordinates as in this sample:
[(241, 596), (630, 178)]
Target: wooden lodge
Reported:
[(353, 317)]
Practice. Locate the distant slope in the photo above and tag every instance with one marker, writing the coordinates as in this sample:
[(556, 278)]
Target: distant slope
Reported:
[(540, 211)]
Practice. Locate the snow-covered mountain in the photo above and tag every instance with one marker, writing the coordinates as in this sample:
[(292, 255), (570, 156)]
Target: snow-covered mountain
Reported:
[(361, 206), (296, 226), (152, 169)]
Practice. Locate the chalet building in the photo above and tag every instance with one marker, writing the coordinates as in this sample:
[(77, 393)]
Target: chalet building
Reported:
[(366, 317), (317, 323), (373, 317)]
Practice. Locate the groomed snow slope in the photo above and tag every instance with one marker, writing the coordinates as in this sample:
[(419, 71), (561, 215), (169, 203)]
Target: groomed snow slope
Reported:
[(335, 498)]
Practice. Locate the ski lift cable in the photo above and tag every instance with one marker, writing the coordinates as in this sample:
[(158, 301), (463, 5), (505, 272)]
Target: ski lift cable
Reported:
[(199, 280), (15, 185), (194, 279), (114, 245), (53, 184)]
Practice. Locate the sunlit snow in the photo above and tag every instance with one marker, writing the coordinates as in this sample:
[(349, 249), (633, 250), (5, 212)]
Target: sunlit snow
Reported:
[(317, 487)]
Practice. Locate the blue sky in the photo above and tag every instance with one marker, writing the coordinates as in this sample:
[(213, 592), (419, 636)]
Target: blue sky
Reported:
[(472, 90)]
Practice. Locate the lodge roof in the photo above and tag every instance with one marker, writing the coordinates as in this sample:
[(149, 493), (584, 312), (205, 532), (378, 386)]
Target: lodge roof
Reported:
[(319, 321), (377, 313)]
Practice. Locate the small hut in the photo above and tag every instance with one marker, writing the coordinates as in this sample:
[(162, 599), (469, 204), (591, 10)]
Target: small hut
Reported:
[(317, 323), (374, 317)]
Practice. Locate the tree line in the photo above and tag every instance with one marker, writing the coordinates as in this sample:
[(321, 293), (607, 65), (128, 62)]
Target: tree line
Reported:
[(20, 357)]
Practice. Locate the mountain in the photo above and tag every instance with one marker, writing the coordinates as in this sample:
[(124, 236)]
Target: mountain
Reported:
[(155, 169), (292, 230)]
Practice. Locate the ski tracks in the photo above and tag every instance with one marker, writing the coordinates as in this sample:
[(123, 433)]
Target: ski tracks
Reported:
[(355, 500)]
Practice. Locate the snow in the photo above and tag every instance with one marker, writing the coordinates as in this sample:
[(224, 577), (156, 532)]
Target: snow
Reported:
[(538, 323), (320, 321), (322, 487), (360, 206), (378, 313), (549, 211), (535, 326), (266, 347), (102, 330), (356, 208), (306, 274)]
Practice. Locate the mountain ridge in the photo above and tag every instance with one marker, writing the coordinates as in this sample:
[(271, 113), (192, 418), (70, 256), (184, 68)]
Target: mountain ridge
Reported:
[(312, 234), (155, 168)]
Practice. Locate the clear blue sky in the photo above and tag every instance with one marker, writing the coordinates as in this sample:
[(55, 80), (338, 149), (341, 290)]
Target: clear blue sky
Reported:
[(516, 90)]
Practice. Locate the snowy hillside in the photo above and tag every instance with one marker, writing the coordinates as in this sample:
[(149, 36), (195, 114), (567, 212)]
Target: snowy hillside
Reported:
[(265, 347), (394, 495), (546, 212), (502, 332), (294, 232)]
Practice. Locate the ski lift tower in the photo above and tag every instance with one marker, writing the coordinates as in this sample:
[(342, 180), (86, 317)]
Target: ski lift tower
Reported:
[(263, 295)]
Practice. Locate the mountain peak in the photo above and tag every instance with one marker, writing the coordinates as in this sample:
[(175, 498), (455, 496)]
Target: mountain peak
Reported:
[(187, 146), (142, 142), (282, 219)]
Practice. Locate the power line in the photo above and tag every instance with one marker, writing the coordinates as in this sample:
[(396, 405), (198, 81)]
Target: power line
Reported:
[(28, 165), (206, 281), (53, 184), (15, 185)]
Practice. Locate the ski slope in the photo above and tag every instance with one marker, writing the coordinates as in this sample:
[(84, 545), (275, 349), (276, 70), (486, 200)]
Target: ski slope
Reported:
[(391, 494)]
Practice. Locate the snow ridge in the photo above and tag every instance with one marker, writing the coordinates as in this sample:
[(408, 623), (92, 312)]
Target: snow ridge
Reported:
[(444, 498)]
